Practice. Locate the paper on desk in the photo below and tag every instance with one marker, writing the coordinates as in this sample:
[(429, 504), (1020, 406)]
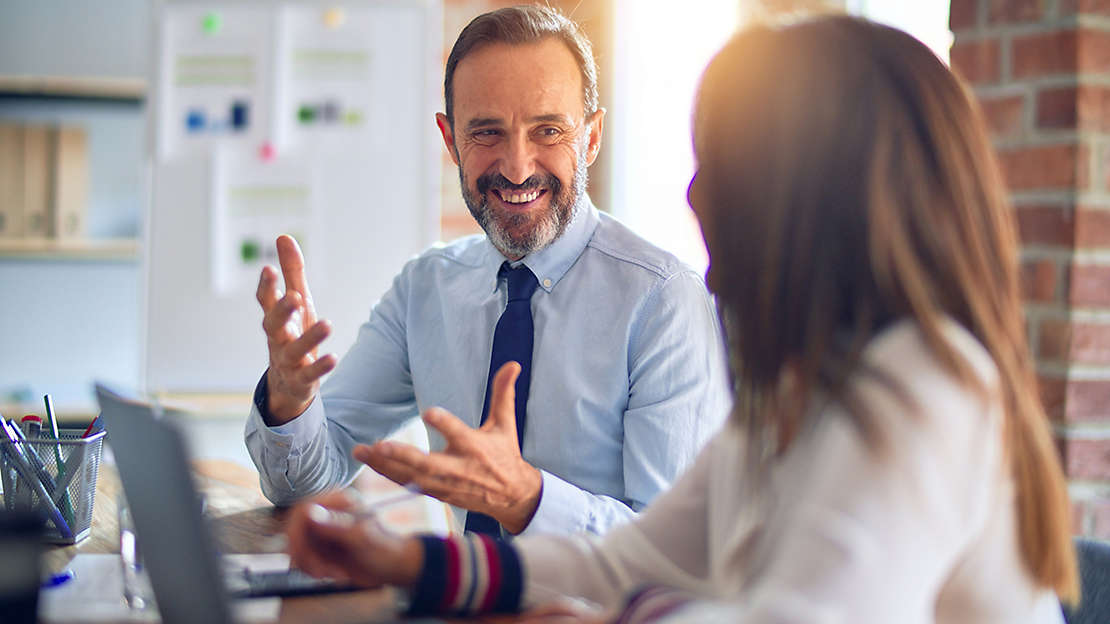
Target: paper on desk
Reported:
[(96, 592)]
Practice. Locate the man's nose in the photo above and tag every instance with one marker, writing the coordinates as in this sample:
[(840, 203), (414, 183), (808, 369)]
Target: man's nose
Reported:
[(519, 161)]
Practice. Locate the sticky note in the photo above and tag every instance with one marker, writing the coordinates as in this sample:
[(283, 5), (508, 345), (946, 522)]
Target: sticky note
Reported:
[(334, 17), (211, 23)]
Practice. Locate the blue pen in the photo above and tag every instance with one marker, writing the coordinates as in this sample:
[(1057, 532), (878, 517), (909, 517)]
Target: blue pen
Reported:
[(58, 579)]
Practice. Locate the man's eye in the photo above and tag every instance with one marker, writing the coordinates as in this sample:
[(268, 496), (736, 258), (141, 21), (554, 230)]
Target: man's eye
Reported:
[(549, 131)]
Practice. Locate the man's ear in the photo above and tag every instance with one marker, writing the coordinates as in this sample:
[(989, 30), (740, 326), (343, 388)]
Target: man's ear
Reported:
[(448, 136), (595, 123)]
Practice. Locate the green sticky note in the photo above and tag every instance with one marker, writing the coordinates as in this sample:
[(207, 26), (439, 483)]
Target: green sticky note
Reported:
[(249, 251), (211, 23)]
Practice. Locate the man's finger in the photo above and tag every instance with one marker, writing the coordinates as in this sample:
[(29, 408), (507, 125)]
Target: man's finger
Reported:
[(502, 402), (454, 431), (377, 457), (295, 352), (292, 268), (281, 313), (309, 374), (267, 293)]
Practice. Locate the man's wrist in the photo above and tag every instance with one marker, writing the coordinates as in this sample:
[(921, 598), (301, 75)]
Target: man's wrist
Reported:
[(274, 410), (520, 513)]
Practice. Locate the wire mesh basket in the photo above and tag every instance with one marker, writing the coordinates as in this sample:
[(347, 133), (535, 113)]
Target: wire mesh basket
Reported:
[(55, 478)]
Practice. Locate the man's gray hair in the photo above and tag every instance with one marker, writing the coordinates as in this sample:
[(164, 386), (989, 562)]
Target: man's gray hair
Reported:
[(521, 25)]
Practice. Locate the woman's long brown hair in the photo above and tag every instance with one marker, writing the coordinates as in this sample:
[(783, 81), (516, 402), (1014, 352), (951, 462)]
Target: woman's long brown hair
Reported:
[(850, 183)]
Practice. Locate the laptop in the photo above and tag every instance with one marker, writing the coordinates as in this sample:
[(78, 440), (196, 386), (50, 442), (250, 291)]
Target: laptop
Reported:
[(178, 549)]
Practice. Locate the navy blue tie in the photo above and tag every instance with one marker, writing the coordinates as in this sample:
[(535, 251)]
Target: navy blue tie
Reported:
[(512, 342)]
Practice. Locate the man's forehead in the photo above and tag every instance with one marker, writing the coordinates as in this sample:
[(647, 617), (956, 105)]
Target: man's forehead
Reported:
[(530, 80)]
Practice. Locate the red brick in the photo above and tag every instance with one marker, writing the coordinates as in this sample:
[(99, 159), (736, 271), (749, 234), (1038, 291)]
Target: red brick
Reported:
[(1038, 280), (1044, 167), (1092, 228), (1054, 340), (1087, 459), (1087, 400), (1090, 7), (1053, 391), (1046, 224), (976, 61), (1014, 11), (963, 14), (1090, 285), (1045, 53), (1090, 343), (1084, 108), (1057, 108), (1004, 115), (1099, 509), (1094, 51)]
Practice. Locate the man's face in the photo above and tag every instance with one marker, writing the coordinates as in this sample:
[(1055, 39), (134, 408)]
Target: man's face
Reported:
[(521, 141)]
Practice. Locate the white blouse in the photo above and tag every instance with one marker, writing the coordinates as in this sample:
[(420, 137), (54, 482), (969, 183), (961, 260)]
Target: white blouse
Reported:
[(922, 529)]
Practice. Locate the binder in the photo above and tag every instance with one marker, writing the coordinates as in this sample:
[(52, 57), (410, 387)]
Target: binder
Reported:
[(70, 182), (11, 180), (36, 181)]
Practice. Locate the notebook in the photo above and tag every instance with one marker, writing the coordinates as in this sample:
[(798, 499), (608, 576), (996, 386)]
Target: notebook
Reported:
[(178, 550)]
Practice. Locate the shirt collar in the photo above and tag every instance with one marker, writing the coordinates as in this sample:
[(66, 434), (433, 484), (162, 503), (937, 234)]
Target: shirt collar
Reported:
[(551, 263)]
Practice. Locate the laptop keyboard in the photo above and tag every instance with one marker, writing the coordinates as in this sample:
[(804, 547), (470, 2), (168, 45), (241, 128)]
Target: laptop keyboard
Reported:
[(292, 582)]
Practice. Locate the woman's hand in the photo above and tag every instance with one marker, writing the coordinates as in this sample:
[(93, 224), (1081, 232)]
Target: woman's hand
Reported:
[(328, 538)]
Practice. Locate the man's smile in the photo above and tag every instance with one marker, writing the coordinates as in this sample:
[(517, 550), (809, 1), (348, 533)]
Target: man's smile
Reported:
[(518, 199)]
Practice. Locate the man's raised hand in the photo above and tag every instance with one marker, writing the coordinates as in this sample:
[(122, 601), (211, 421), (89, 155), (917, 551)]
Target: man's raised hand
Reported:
[(292, 334), (480, 469)]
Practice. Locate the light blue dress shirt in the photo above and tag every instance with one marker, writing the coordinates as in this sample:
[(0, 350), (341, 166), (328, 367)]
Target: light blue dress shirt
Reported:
[(628, 373)]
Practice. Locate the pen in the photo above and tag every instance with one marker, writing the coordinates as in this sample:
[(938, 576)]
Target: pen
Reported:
[(30, 455), (60, 578), (94, 427), (27, 473), (362, 510), (66, 505), (32, 426)]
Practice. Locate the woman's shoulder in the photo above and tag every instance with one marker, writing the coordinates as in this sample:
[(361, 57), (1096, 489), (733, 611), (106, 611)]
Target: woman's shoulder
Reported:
[(904, 360)]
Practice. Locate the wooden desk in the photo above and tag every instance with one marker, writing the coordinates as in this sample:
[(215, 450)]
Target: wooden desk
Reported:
[(245, 522)]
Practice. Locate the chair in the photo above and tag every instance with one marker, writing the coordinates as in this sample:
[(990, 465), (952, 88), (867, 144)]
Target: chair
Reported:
[(1094, 574)]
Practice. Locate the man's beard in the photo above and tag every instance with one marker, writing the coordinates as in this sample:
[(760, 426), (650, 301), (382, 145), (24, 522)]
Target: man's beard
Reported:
[(518, 234)]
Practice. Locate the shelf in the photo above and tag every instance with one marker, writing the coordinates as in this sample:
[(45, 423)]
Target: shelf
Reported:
[(76, 249), (126, 89)]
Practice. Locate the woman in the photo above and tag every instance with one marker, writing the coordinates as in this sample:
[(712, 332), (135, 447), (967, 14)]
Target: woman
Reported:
[(887, 459)]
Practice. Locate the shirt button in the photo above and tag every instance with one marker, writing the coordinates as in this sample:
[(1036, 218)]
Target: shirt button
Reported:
[(547, 283)]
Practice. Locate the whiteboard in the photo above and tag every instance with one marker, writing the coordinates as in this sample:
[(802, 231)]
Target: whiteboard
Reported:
[(305, 117)]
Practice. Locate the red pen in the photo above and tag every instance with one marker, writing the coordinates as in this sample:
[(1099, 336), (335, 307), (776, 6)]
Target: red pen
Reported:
[(94, 427)]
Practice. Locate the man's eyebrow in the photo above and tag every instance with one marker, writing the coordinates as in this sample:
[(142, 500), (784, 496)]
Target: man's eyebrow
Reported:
[(485, 122), (482, 122), (553, 118)]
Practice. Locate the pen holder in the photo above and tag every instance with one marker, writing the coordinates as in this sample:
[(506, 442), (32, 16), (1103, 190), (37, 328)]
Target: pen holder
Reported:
[(54, 478)]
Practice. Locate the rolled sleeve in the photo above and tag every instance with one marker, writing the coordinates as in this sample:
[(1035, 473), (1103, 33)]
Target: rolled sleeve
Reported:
[(280, 451)]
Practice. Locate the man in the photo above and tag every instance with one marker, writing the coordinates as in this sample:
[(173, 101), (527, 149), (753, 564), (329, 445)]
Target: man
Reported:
[(624, 379)]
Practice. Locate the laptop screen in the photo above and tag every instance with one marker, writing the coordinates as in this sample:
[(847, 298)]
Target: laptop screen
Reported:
[(178, 550)]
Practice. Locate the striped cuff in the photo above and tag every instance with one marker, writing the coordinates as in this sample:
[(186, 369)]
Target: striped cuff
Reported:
[(467, 574)]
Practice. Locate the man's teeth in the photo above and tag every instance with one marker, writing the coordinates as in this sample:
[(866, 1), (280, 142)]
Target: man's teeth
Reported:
[(520, 198)]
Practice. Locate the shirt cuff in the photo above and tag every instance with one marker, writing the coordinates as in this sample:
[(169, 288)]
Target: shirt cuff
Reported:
[(293, 434), (563, 508)]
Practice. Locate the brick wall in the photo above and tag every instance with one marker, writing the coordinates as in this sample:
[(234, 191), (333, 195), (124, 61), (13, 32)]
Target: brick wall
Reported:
[(1041, 70)]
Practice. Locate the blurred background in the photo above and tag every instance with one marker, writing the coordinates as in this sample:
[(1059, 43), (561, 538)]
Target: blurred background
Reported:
[(96, 280), (76, 302)]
